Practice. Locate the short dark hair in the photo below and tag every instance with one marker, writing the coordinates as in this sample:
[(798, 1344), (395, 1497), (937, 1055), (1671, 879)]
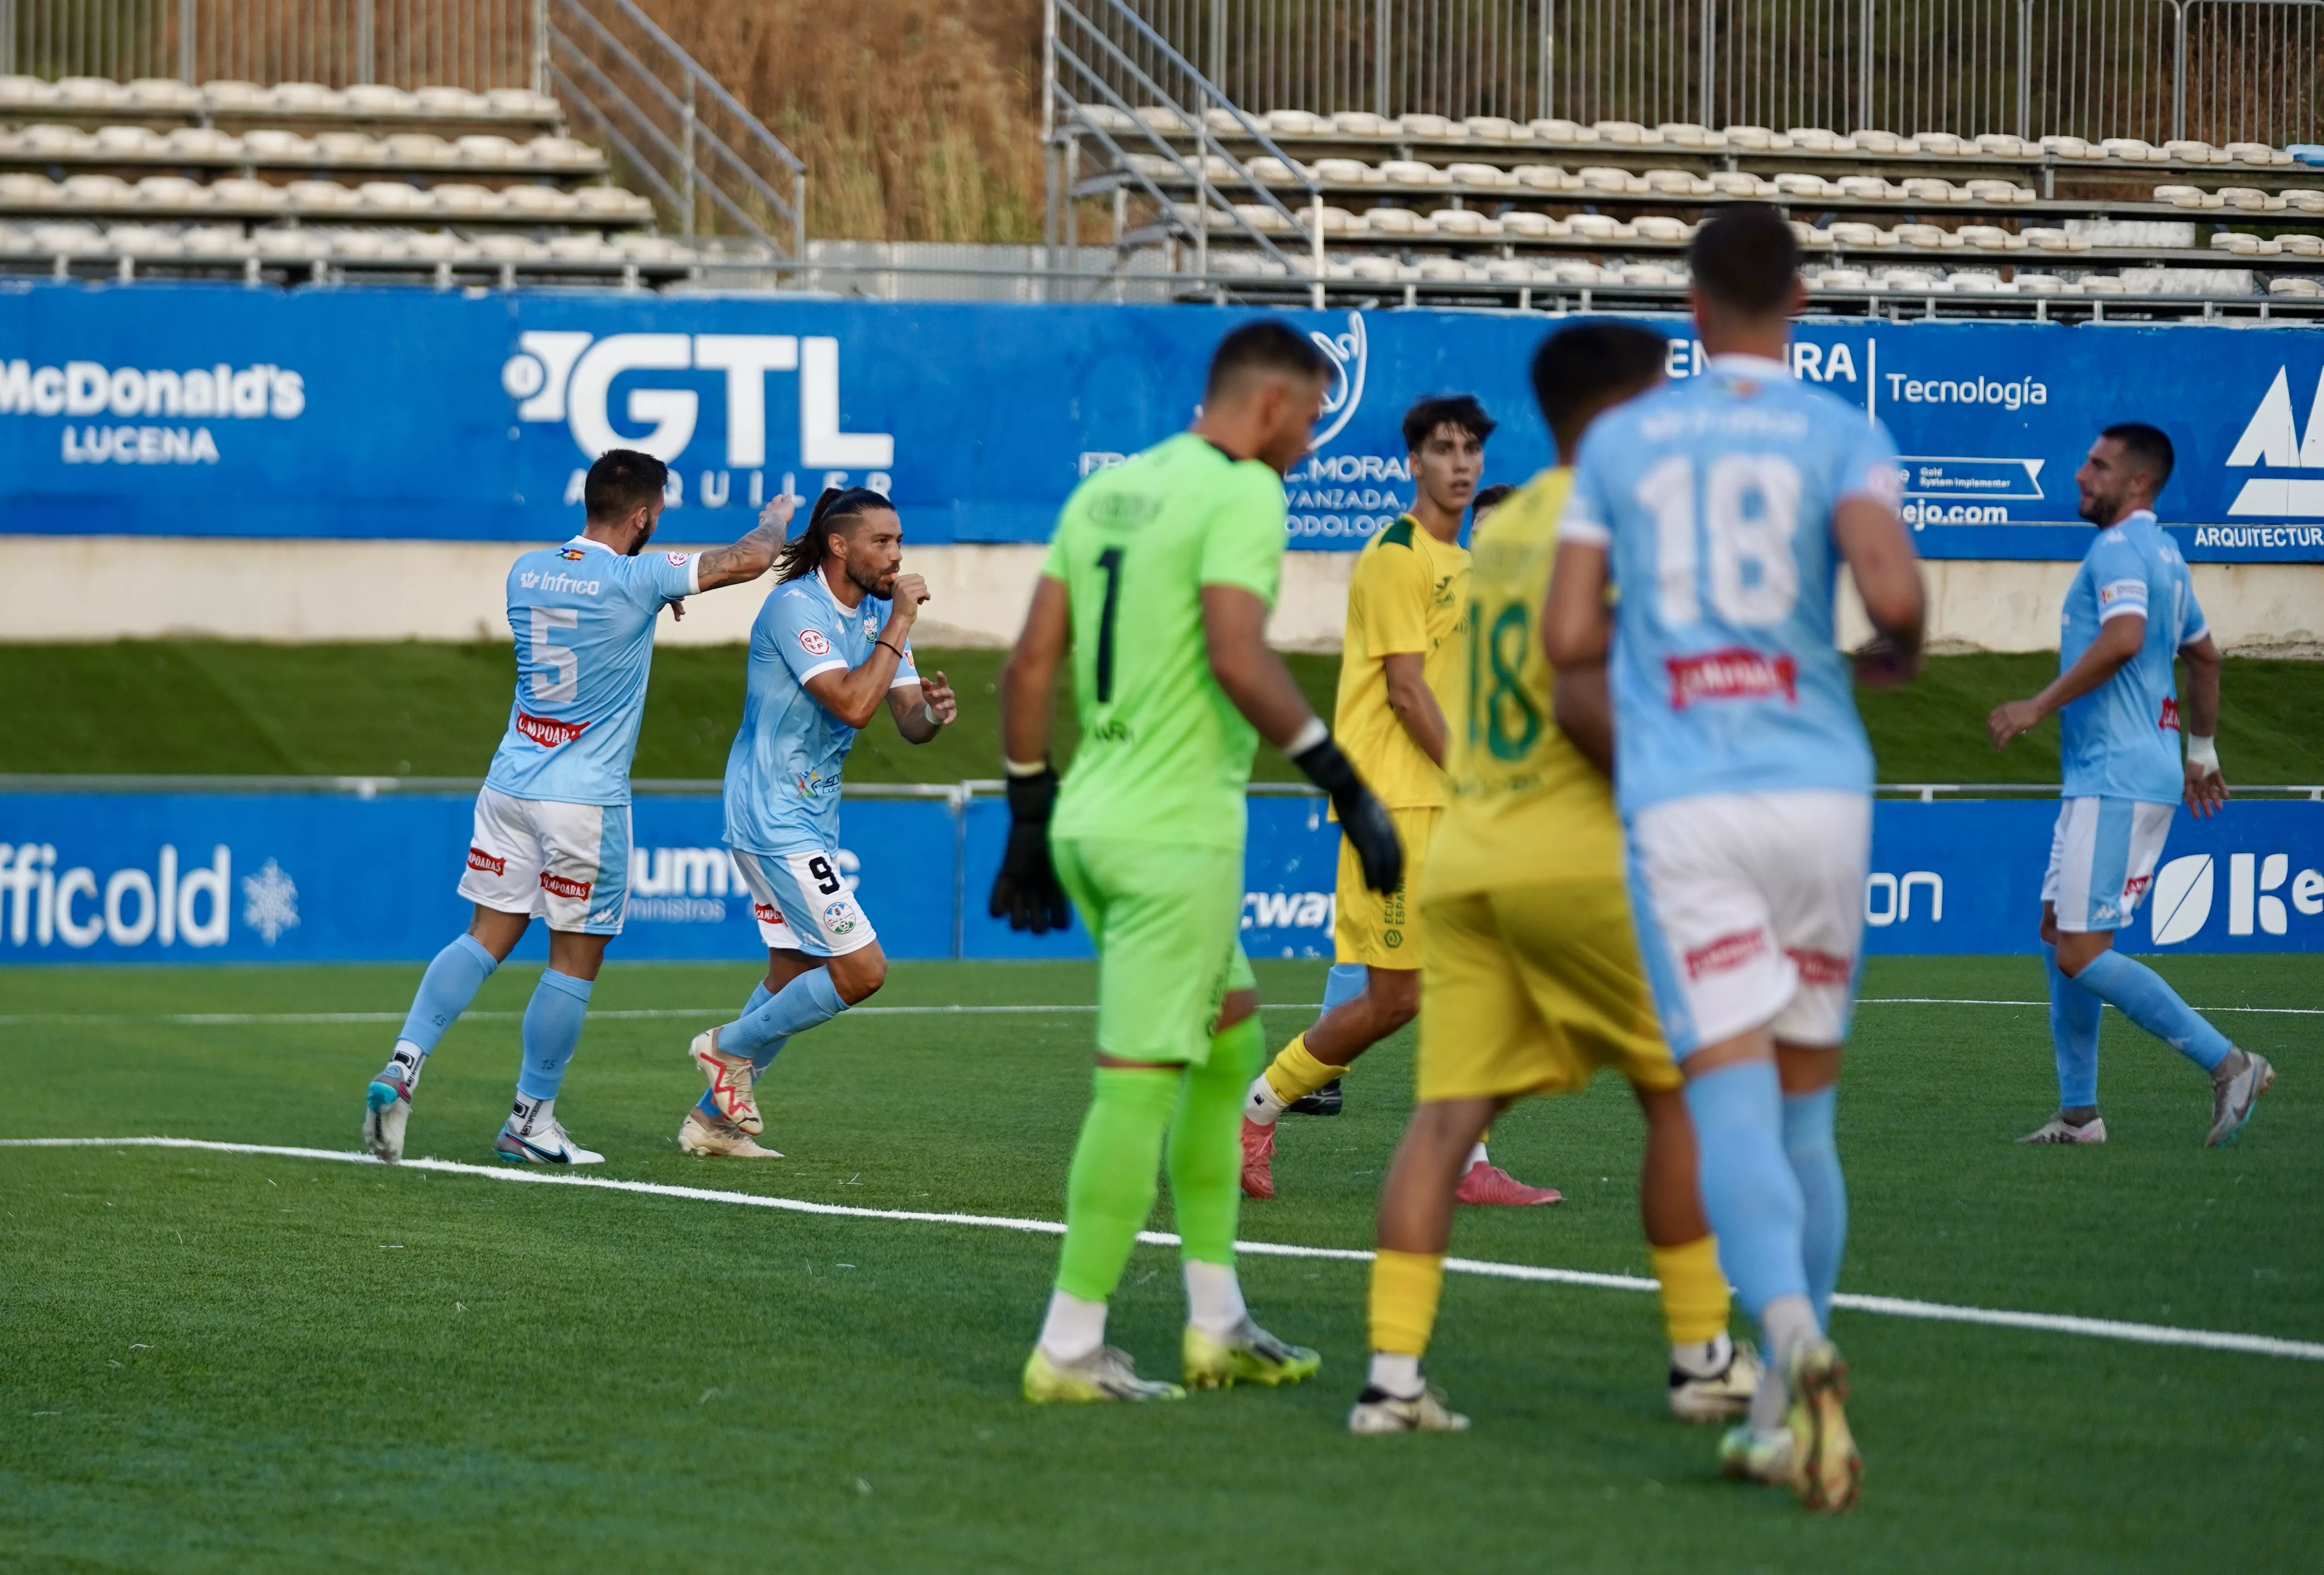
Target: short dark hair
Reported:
[(1438, 410), (838, 509), (1746, 258), (1489, 497), (1268, 345), (2147, 446), (623, 480), (1580, 367)]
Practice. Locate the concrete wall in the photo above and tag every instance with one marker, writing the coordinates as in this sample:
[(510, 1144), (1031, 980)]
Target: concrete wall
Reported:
[(109, 588)]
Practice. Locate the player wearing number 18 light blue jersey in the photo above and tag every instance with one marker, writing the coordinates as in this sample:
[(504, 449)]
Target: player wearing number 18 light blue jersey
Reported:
[(1720, 509), (552, 838)]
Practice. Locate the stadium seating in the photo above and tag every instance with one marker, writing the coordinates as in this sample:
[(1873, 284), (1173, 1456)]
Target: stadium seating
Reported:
[(1428, 201), (157, 175)]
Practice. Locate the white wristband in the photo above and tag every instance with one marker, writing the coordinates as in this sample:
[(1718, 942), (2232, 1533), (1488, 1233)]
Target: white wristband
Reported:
[(2203, 751), (929, 712), (1308, 737)]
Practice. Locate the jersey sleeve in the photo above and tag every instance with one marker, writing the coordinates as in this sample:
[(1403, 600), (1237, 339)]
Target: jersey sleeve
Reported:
[(2192, 625), (1243, 543), (1587, 520), (1868, 468), (656, 578), (1389, 593), (2117, 577), (907, 669), (803, 635)]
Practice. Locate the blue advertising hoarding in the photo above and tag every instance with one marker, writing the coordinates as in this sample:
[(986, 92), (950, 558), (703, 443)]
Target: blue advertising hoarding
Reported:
[(212, 410), (247, 877)]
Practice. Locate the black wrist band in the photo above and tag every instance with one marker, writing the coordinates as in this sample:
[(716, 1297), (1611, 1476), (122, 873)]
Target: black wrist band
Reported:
[(899, 650)]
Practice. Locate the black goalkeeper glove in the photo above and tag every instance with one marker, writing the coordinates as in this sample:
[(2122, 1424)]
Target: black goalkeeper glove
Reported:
[(1025, 892), (1366, 825)]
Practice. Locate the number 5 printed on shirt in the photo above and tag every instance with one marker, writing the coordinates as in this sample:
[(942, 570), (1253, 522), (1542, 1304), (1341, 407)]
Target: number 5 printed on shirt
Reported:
[(556, 671)]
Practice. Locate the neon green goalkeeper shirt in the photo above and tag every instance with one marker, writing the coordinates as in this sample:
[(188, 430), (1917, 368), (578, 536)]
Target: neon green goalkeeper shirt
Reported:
[(1164, 755)]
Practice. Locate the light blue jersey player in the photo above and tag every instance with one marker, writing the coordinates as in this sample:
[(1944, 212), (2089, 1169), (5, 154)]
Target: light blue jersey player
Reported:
[(2130, 611), (1717, 511), (551, 837), (832, 640)]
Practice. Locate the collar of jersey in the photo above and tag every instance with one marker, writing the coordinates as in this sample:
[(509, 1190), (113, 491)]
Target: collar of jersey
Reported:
[(585, 542), (2137, 517), (1736, 363), (831, 596)]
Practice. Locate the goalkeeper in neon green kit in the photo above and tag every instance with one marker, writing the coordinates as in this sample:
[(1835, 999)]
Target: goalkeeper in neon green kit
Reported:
[(1158, 584)]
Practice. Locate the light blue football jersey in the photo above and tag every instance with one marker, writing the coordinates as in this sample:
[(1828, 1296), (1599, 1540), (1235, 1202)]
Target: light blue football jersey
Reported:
[(782, 774), (584, 620), (2121, 741), (1714, 498)]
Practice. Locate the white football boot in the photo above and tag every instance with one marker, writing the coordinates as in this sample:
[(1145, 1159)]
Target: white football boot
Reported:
[(2234, 1093), (1721, 1396), (387, 1105), (1377, 1411), (542, 1143), (733, 1078), (2058, 1129), (708, 1138)]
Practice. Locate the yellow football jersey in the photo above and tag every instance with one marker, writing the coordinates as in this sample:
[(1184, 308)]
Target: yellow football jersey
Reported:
[(1405, 597), (1525, 806)]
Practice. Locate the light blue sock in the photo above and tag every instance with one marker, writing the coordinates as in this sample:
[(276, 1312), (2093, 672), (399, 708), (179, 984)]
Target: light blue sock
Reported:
[(807, 1000), (552, 1029), (450, 983), (1748, 1190), (759, 996), (1824, 1191), (2139, 994), (2074, 1036), (1345, 983)]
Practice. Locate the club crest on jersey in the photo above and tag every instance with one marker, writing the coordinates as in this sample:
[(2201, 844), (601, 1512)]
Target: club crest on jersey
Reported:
[(813, 643), (839, 918), (1736, 673), (571, 555), (675, 560), (548, 732)]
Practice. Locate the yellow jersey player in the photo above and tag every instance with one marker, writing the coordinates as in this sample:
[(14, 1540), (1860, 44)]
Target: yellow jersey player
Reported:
[(1404, 599), (1533, 980)]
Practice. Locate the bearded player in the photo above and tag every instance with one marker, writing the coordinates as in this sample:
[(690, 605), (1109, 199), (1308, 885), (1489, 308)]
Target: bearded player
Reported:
[(1157, 587), (1404, 599), (1533, 980)]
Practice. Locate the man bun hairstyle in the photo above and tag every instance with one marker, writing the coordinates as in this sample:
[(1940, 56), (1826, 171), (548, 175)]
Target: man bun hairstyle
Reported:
[(2148, 448), (1437, 410), (1583, 367), (837, 510), (1269, 345), (1745, 259), (620, 483)]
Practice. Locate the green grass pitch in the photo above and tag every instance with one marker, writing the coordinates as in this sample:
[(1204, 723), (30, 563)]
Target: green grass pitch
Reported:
[(213, 1362)]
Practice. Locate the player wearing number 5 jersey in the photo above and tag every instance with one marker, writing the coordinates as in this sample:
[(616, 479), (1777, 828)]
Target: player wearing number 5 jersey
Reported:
[(1720, 508), (832, 644), (552, 823), (1158, 585)]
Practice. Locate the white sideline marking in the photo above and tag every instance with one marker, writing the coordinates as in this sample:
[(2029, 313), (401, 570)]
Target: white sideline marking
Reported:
[(1893, 1306), (245, 1019)]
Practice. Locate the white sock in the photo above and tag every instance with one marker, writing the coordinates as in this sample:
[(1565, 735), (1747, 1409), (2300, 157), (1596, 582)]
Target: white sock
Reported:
[(1074, 1329), (1262, 1104), (1397, 1375), (532, 1115), (1476, 1157), (1771, 1400), (1703, 1358), (1214, 1298), (411, 1059), (1788, 1321)]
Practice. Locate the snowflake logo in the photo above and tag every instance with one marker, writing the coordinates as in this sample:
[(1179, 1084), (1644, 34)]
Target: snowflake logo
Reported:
[(270, 902)]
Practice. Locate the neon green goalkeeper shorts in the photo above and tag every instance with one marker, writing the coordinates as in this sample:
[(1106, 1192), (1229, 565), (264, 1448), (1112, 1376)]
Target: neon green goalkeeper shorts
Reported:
[(1168, 923)]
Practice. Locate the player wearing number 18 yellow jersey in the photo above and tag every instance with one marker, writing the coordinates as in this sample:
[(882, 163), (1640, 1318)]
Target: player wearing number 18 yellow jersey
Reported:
[(1532, 980)]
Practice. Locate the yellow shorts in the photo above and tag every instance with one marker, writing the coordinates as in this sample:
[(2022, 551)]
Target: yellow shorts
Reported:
[(1381, 930), (1530, 989)]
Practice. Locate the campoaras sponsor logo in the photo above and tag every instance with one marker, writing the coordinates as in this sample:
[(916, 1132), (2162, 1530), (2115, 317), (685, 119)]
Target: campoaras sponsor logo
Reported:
[(548, 732), (1726, 952), (478, 859), (1736, 672), (561, 885), (1821, 967)]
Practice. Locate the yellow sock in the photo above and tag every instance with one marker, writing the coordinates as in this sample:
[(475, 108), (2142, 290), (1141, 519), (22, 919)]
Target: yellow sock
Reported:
[(1694, 1291), (1295, 1074), (1405, 1288)]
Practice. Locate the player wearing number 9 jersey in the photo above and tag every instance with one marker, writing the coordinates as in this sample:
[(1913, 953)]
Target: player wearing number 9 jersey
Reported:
[(551, 837), (1719, 509)]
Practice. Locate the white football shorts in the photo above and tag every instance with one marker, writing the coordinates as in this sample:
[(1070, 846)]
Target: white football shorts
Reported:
[(803, 904), (568, 864), (2102, 859), (1750, 910)]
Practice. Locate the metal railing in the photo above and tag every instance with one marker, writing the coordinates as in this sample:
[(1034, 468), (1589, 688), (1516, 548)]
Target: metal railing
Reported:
[(2218, 69), (677, 135)]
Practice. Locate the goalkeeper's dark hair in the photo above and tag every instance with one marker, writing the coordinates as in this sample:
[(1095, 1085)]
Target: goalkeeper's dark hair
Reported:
[(1745, 259), (1269, 345), (837, 511), (1489, 498), (2148, 449), (1445, 409), (1583, 368), (621, 482)]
